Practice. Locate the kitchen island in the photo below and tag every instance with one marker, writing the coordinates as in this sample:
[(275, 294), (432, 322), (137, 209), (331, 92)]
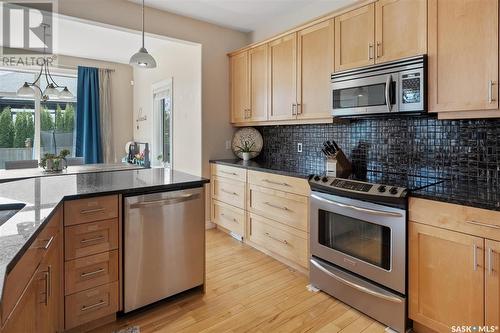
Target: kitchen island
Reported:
[(36, 202)]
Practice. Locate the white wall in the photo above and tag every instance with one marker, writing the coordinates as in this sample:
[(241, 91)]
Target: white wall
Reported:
[(216, 42), (182, 62), (121, 99)]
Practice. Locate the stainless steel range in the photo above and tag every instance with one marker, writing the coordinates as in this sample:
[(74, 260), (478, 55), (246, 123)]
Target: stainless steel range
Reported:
[(358, 245)]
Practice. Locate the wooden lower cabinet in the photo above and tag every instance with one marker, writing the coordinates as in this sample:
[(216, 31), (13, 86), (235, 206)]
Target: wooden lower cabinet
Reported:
[(492, 283), (446, 277)]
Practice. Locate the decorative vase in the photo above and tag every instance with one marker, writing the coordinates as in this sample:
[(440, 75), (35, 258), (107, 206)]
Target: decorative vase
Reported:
[(54, 165), (246, 156)]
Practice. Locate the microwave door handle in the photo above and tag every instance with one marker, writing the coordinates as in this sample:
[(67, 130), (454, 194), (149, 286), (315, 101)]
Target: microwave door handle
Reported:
[(388, 92)]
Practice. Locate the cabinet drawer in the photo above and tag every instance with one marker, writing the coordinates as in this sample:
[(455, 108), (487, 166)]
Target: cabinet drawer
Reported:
[(228, 217), (286, 208), (470, 220), (90, 210), (90, 238), (90, 305), (229, 172), (92, 271), (229, 191), (279, 182), (284, 241)]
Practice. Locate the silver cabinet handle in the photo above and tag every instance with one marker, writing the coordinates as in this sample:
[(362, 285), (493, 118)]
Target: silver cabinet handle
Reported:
[(229, 192), (47, 245), (493, 226), (370, 51), (90, 211), (229, 173), (294, 109), (228, 218), (275, 183), (490, 92), (379, 49), (474, 257), (276, 206), (100, 270), (276, 239), (46, 277), (92, 306), (49, 280), (299, 108), (354, 285), (490, 268), (359, 209), (166, 201), (90, 240)]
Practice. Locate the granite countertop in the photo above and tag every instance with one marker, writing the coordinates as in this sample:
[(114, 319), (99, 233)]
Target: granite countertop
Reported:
[(41, 196), (486, 196), (17, 174)]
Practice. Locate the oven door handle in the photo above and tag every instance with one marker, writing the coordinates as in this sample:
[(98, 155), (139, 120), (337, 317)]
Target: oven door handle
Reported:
[(354, 285), (388, 93), (359, 209)]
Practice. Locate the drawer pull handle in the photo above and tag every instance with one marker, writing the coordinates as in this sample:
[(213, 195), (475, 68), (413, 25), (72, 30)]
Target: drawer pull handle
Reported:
[(232, 219), (276, 239), (93, 306), (276, 206), (229, 192), (275, 183), (47, 245), (229, 173), (90, 211), (100, 270), (90, 240), (490, 263), (493, 226)]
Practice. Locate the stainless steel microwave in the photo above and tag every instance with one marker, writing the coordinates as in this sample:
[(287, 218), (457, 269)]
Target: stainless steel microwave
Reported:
[(397, 87)]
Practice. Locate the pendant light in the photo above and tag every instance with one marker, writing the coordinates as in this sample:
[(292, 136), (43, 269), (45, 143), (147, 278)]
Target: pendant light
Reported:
[(143, 58)]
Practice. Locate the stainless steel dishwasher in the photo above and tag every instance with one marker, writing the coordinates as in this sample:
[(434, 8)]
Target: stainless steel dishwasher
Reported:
[(164, 245)]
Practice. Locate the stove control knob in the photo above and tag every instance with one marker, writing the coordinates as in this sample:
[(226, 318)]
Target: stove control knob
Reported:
[(317, 178), (393, 190), (324, 179), (381, 188)]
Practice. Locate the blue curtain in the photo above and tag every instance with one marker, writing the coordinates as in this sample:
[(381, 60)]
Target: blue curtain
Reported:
[(88, 131)]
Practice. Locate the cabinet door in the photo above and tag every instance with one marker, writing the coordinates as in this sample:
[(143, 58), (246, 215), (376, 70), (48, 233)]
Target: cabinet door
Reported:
[(315, 65), (400, 28), (24, 317), (492, 284), (463, 55), (239, 87), (354, 38), (446, 272), (283, 58), (259, 77), (51, 267)]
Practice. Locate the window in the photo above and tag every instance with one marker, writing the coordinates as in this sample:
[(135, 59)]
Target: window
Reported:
[(30, 127), (162, 147)]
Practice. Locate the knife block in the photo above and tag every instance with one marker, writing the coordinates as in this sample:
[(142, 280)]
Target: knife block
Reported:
[(338, 165)]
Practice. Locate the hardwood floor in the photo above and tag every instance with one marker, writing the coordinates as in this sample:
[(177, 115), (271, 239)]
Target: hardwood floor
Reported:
[(247, 291)]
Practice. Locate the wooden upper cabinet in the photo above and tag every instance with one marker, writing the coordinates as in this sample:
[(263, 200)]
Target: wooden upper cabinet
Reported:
[(492, 283), (400, 29), (314, 67), (463, 55), (445, 277), (239, 87), (258, 81), (354, 38), (283, 82)]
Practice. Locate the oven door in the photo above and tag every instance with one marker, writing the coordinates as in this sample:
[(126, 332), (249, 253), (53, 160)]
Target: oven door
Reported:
[(365, 96), (365, 238)]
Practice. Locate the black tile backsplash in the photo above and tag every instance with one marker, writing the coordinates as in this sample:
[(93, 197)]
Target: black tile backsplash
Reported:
[(467, 151)]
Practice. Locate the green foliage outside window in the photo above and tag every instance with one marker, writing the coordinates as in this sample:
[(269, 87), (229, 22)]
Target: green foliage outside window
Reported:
[(23, 129), (6, 129)]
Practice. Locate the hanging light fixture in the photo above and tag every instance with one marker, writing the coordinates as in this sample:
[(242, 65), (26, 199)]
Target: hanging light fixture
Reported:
[(142, 58), (51, 90)]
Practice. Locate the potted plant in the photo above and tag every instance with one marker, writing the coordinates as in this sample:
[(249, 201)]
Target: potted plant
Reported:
[(246, 150), (53, 162)]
